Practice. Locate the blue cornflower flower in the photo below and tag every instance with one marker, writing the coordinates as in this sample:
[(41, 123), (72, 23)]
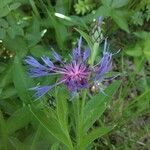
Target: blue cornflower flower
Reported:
[(76, 75)]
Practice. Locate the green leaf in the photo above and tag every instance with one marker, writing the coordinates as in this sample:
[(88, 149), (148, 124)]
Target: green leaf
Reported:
[(17, 30), (19, 119), (103, 10), (134, 51), (94, 134), (83, 7), (55, 146), (97, 105), (4, 11), (33, 4), (119, 17), (15, 142), (36, 138), (39, 50), (21, 81), (138, 106), (142, 34), (4, 7), (4, 3), (8, 92), (142, 46), (2, 33), (62, 6), (17, 45), (60, 30), (119, 3), (34, 35), (137, 18), (146, 49), (86, 37), (6, 76), (3, 132), (62, 108), (9, 106), (4, 23), (115, 3), (15, 5), (11, 33), (107, 2), (33, 38), (52, 126)]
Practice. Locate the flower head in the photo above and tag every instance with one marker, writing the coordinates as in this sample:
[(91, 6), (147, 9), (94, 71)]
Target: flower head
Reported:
[(76, 75)]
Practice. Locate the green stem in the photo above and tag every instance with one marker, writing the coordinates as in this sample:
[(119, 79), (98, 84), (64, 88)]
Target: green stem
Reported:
[(35, 10)]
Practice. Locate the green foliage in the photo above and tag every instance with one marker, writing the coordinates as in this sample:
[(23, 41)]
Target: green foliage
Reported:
[(115, 3), (18, 120), (3, 131), (96, 106), (62, 108), (137, 18), (21, 81), (141, 48), (118, 119), (7, 6), (84, 6)]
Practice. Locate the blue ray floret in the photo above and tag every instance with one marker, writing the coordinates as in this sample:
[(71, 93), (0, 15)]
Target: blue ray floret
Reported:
[(76, 75), (40, 90), (105, 64)]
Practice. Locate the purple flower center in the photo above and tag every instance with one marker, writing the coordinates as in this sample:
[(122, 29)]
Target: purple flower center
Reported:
[(76, 76)]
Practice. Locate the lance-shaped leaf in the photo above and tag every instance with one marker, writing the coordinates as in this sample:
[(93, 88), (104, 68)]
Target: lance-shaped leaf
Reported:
[(18, 120), (62, 108), (94, 134), (52, 126), (97, 105)]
